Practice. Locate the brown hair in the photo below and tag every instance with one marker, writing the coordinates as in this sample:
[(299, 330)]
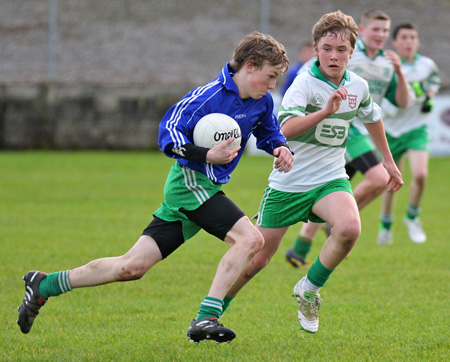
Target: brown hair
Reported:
[(401, 26), (336, 23), (373, 14), (260, 48)]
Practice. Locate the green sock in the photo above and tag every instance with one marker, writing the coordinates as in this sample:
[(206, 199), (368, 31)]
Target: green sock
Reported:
[(226, 304), (210, 307), (386, 221), (302, 246), (412, 212), (55, 284), (318, 274)]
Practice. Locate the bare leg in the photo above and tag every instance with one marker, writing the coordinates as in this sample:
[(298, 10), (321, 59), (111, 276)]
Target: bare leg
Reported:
[(130, 266), (345, 226), (309, 230), (272, 240), (418, 161), (373, 185), (245, 241)]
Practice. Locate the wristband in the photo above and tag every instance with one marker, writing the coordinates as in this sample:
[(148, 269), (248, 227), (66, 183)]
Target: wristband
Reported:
[(191, 152)]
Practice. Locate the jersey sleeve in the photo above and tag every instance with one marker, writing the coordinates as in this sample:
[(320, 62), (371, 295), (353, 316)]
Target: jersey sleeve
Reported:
[(368, 110), (433, 83), (177, 126)]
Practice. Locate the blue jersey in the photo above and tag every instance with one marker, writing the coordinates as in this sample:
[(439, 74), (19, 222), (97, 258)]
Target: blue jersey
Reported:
[(254, 116)]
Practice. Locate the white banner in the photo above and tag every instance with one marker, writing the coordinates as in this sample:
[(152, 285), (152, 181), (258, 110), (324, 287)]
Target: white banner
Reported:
[(439, 126)]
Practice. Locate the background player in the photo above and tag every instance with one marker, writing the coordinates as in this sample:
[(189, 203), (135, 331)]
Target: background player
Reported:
[(406, 130)]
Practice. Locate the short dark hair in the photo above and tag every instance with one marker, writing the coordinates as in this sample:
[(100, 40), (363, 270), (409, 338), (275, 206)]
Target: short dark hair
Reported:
[(373, 14), (401, 26)]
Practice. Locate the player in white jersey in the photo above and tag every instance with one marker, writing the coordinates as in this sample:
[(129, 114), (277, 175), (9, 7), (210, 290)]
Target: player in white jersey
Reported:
[(315, 116), (406, 130), (382, 70)]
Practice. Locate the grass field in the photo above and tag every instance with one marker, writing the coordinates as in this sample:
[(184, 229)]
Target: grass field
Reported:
[(61, 210)]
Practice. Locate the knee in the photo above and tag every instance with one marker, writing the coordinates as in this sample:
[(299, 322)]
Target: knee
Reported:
[(380, 182), (255, 242), (249, 242), (420, 179), (256, 264), (378, 179), (128, 270), (348, 234)]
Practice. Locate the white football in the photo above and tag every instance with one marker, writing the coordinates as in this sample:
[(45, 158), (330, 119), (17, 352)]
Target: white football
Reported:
[(214, 128)]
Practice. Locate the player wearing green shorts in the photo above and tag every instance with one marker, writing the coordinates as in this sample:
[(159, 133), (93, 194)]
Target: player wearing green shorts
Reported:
[(315, 116), (406, 131), (193, 195), (382, 71)]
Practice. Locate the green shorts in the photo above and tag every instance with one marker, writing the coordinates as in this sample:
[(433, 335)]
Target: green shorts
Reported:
[(416, 140), (279, 209), (358, 145), (185, 189)]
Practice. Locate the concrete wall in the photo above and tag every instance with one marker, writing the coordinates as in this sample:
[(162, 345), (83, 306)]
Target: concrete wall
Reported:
[(176, 41), (119, 64), (69, 116)]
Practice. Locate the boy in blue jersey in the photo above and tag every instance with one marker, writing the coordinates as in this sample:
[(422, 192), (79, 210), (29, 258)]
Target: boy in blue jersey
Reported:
[(315, 116), (193, 196)]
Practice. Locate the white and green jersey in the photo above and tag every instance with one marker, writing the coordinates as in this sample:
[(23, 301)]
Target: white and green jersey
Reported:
[(379, 74), (423, 75), (319, 153)]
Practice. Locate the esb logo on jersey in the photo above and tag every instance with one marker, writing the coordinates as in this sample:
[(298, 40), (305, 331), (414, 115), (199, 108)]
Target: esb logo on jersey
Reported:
[(332, 132)]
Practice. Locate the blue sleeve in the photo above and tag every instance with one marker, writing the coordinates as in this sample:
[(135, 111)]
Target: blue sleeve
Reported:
[(177, 126), (290, 76), (268, 133)]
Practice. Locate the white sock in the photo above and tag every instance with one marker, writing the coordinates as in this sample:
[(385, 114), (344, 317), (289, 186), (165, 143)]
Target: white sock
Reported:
[(310, 287)]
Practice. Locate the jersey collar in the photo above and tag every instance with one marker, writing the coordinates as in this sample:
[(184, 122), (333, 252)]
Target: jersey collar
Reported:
[(226, 78), (315, 72), (361, 46), (416, 56)]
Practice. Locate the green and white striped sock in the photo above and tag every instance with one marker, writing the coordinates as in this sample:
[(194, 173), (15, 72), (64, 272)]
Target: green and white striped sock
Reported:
[(55, 284), (210, 307), (386, 221), (412, 212)]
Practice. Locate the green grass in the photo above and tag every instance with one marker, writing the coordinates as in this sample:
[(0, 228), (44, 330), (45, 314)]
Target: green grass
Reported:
[(61, 210)]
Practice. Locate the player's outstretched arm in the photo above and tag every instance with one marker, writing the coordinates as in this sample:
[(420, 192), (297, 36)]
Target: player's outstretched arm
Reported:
[(376, 131), (403, 91)]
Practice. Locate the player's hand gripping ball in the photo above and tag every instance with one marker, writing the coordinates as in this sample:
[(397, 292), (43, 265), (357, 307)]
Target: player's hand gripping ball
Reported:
[(214, 128)]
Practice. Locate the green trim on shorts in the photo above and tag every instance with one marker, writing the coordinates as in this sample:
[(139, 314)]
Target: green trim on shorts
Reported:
[(416, 140), (185, 189), (279, 209), (358, 145)]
